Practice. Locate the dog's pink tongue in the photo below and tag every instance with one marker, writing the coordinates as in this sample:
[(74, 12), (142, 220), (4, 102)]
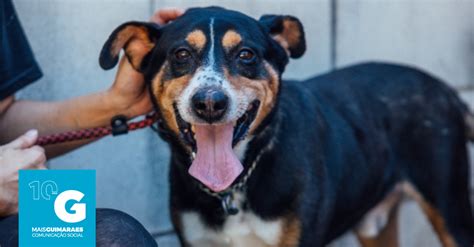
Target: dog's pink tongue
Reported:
[(215, 164)]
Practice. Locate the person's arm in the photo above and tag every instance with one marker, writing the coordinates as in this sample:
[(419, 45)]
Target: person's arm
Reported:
[(127, 96)]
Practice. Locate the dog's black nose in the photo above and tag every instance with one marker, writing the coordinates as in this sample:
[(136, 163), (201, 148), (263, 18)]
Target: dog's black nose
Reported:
[(210, 103)]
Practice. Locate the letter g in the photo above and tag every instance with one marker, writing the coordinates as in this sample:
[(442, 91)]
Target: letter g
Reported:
[(78, 208)]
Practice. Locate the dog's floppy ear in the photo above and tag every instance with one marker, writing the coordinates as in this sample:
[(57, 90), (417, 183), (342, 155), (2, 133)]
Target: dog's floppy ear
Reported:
[(136, 38), (287, 31)]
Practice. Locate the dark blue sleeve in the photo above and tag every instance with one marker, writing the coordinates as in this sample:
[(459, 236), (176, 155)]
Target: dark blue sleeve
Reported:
[(18, 67)]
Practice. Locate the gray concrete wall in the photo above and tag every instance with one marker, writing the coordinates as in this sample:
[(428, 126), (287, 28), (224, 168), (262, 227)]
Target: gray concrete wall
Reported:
[(67, 36)]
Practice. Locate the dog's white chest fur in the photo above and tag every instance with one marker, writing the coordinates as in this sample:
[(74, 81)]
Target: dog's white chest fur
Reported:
[(243, 229)]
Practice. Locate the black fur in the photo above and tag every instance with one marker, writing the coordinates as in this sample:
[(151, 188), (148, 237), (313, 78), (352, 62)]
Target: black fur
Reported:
[(337, 143), (274, 25), (342, 141)]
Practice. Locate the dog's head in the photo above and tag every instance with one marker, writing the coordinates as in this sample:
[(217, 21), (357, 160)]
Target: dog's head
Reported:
[(214, 75)]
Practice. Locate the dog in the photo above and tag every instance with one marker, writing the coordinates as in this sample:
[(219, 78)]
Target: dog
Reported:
[(261, 161)]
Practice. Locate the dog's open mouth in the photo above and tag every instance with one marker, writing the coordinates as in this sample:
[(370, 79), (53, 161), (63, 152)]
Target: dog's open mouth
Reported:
[(241, 127), (215, 163)]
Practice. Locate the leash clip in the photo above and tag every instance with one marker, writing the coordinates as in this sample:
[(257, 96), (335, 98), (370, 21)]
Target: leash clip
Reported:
[(227, 201), (119, 125)]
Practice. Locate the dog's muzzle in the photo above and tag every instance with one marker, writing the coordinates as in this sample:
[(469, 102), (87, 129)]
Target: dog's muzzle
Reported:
[(210, 104)]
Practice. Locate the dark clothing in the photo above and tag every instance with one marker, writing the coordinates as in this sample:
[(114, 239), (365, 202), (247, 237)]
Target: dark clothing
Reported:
[(113, 228), (18, 67)]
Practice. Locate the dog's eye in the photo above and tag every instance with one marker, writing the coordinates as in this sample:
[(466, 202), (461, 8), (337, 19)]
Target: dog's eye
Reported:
[(246, 56), (182, 55)]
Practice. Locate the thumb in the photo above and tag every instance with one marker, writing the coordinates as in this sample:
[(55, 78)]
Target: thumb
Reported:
[(25, 141)]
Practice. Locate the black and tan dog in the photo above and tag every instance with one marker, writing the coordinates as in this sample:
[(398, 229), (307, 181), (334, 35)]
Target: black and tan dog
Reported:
[(257, 161)]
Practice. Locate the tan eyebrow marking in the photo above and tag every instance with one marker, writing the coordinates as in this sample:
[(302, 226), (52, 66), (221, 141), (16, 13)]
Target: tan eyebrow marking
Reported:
[(231, 39), (197, 39)]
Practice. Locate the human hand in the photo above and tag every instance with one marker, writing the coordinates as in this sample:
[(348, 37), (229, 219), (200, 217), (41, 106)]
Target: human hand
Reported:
[(18, 154), (166, 15), (128, 95)]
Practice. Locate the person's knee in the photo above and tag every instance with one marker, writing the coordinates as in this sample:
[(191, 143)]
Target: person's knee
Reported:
[(116, 228)]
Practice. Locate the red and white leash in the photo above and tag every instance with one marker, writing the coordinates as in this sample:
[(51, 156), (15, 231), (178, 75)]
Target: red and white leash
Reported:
[(118, 126)]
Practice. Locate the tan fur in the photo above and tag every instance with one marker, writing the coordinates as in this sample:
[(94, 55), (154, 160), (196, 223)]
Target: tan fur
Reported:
[(439, 225), (271, 91), (261, 89), (291, 232), (138, 44), (282, 41), (385, 213), (266, 91), (166, 92), (231, 39), (437, 221), (388, 237), (291, 32), (197, 39), (290, 36)]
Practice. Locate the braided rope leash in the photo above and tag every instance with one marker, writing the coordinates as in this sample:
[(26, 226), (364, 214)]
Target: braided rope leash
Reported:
[(118, 126)]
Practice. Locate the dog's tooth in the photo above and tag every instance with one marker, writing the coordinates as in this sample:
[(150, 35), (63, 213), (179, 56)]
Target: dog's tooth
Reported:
[(193, 155)]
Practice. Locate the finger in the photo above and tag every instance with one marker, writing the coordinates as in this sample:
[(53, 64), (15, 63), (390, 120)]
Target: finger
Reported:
[(171, 14), (39, 155), (166, 15), (24, 141), (41, 167), (33, 157)]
